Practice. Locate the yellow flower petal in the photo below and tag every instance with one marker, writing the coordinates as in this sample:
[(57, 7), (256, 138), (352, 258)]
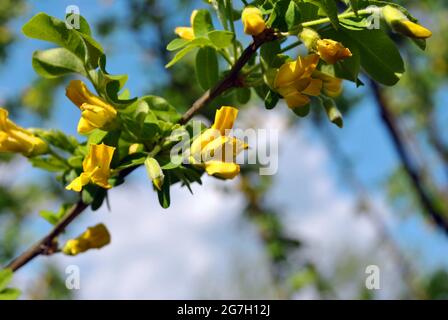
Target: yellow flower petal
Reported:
[(223, 170), (84, 126), (314, 88), (287, 74), (332, 51), (93, 238), (253, 21), (225, 118), (19, 140), (296, 100), (186, 33), (413, 30), (78, 183)]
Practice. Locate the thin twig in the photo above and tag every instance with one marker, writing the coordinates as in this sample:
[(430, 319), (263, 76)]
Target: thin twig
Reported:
[(232, 79), (48, 245), (412, 171)]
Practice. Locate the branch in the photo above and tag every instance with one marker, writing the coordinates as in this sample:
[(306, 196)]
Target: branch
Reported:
[(48, 245), (412, 171), (232, 79)]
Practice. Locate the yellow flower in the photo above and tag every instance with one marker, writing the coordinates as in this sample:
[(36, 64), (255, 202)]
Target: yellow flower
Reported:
[(155, 172), (398, 21), (96, 113), (214, 150), (411, 29), (331, 86), (253, 21), (187, 33), (332, 51), (295, 83), (93, 238), (96, 168), (16, 139)]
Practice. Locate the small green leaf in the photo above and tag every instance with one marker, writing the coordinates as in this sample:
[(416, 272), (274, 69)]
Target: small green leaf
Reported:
[(164, 194), (292, 16), (58, 139), (56, 62), (10, 294), (202, 23), (243, 95), (50, 216), (96, 137), (207, 68), (179, 55), (269, 51), (162, 109), (177, 44), (380, 57), (302, 111), (49, 163), (221, 39), (271, 99), (5, 278)]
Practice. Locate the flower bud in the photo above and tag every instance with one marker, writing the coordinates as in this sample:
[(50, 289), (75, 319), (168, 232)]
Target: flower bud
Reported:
[(155, 172), (309, 38), (253, 21), (398, 21), (94, 238), (17, 139), (332, 51), (333, 113)]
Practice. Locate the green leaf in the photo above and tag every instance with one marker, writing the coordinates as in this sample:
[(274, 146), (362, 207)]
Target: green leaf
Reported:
[(269, 51), (355, 5), (162, 109), (221, 39), (96, 136), (112, 84), (177, 44), (202, 23), (56, 62), (49, 163), (58, 139), (271, 99), (348, 68), (243, 95), (50, 216), (329, 8), (10, 294), (380, 57), (292, 16), (51, 29), (302, 111), (179, 55), (164, 194), (207, 68), (132, 160), (5, 278)]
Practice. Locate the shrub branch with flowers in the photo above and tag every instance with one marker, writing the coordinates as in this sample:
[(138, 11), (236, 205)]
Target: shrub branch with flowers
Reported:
[(123, 132)]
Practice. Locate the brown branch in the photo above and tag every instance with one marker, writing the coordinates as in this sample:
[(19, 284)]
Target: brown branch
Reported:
[(412, 171), (47, 245), (232, 79)]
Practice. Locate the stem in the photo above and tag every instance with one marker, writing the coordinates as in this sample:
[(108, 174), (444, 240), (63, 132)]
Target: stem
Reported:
[(229, 8), (291, 46), (341, 16), (412, 171), (232, 78), (48, 246)]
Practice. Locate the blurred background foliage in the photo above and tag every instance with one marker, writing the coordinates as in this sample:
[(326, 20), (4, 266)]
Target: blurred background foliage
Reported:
[(414, 107)]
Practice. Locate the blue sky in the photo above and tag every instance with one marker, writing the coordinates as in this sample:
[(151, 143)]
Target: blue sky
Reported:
[(363, 138)]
